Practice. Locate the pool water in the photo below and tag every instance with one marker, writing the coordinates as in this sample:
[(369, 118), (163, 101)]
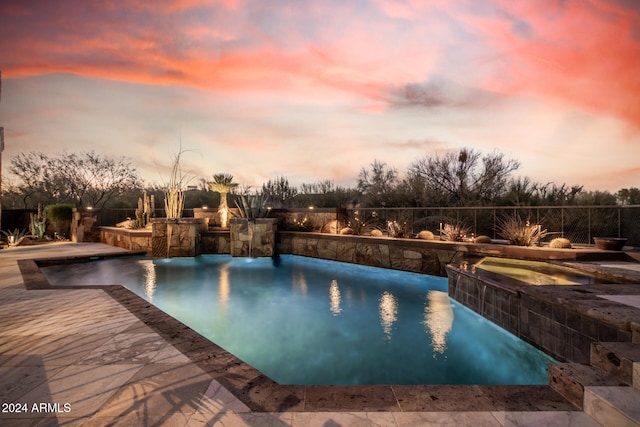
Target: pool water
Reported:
[(308, 321)]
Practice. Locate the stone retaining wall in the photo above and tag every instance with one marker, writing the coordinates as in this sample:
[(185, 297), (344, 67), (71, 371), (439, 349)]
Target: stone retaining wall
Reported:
[(419, 256), (126, 238), (84, 225)]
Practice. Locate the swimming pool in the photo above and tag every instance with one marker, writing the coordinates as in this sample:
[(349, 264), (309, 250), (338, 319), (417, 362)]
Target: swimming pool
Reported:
[(310, 321)]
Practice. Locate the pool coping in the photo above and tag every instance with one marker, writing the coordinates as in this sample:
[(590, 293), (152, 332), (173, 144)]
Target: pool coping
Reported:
[(261, 394)]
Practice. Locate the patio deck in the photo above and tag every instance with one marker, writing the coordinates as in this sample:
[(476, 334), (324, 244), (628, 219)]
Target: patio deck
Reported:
[(97, 356)]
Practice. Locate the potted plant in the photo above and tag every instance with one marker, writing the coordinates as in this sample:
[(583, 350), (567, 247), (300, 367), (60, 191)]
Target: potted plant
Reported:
[(610, 243)]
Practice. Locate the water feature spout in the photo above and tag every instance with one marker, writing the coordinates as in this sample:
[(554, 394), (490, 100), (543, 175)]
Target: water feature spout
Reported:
[(456, 291), (484, 291), (250, 229)]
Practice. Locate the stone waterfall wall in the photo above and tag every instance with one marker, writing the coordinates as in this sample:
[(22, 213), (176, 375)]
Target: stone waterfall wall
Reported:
[(254, 238), (176, 238)]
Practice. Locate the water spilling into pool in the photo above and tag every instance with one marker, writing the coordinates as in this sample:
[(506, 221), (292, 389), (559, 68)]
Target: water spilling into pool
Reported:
[(537, 273), (309, 321)]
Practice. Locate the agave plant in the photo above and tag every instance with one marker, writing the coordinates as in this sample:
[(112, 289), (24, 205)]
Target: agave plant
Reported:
[(520, 232), (13, 237), (253, 206), (361, 226)]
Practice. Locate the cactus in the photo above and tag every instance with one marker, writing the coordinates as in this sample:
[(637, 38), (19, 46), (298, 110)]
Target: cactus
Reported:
[(561, 243), (144, 212), (426, 235), (483, 239), (38, 223)]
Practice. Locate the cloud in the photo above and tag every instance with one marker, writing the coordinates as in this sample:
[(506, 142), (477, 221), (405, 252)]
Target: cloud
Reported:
[(439, 92), (372, 77), (584, 54)]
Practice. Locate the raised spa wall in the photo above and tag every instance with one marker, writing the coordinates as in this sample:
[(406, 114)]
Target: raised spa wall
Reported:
[(562, 321)]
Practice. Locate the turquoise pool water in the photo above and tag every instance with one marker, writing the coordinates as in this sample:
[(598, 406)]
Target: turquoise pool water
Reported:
[(307, 321)]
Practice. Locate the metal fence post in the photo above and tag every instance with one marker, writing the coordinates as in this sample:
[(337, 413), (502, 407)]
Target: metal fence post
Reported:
[(619, 223)]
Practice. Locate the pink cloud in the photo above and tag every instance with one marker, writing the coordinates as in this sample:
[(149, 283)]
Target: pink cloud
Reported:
[(582, 55)]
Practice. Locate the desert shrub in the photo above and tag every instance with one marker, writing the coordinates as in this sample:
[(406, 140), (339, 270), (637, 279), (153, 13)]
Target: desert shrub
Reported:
[(296, 224), (560, 243), (520, 232), (483, 239), (426, 235), (60, 215), (398, 229), (333, 227), (454, 232), (360, 226)]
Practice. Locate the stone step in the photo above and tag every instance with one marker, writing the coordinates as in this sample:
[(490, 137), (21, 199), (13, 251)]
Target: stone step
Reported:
[(570, 380), (613, 406), (621, 359)]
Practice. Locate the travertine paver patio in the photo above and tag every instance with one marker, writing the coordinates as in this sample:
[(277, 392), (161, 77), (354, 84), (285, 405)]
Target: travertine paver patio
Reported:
[(84, 359)]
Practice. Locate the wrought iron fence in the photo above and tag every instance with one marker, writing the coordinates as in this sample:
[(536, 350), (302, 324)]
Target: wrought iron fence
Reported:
[(577, 223)]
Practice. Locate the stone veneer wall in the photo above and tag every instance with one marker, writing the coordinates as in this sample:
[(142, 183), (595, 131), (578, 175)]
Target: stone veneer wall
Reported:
[(419, 256), (211, 217), (540, 319), (253, 237), (84, 225), (139, 240), (126, 238), (215, 242), (176, 238)]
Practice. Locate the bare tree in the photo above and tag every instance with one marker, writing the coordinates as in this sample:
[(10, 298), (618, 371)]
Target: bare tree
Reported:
[(83, 179), (466, 177), (377, 183), (629, 196), (279, 192)]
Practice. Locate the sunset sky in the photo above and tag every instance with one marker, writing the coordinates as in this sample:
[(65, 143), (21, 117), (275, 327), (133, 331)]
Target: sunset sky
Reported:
[(318, 89)]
